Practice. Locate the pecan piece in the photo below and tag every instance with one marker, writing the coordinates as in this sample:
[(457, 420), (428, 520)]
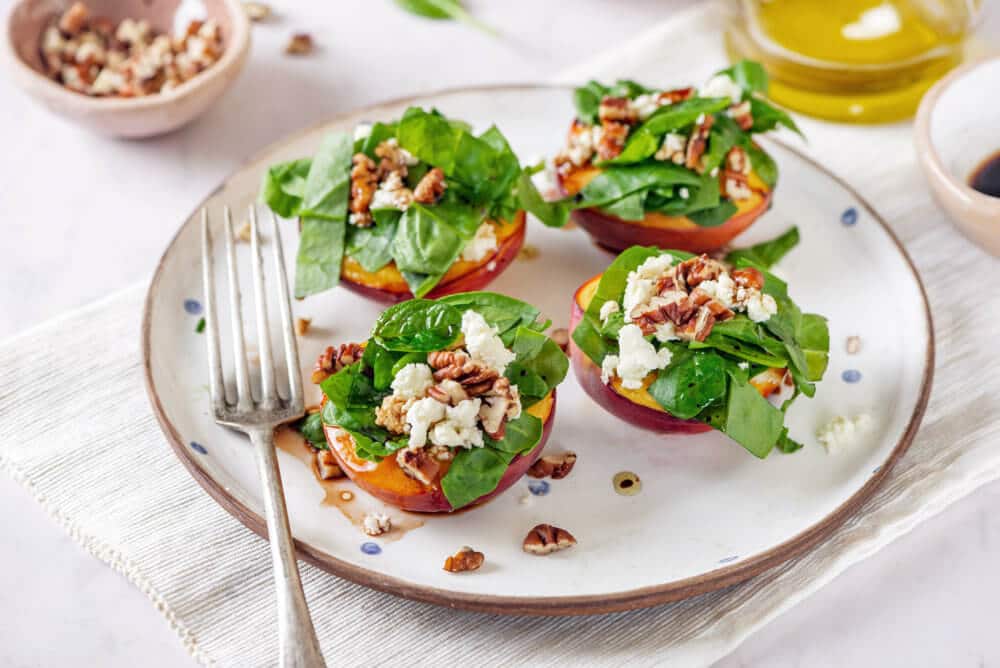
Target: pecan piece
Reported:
[(300, 44), (546, 539), (448, 392), (466, 559), (74, 19), (741, 114), (364, 182), (394, 158), (418, 464), (431, 187), (391, 414), (699, 268), (698, 142), (737, 160), (500, 402), (748, 277), (736, 186), (333, 360), (612, 142), (675, 95), (556, 466), (326, 465), (458, 366), (618, 109)]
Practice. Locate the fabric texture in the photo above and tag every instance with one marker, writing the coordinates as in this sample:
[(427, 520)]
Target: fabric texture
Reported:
[(126, 499)]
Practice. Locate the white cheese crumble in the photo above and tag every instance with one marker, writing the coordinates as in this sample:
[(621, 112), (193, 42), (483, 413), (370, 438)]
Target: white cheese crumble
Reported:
[(722, 289), (665, 331), (376, 524), (483, 344), (744, 365), (640, 286), (761, 307), (637, 357), (459, 428), (607, 309), (645, 105), (608, 366), (684, 193), (722, 85), (413, 381), (481, 245), (843, 432), (362, 131), (420, 416)]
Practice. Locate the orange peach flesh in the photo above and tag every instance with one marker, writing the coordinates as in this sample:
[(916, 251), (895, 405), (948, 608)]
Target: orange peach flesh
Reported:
[(388, 285), (644, 411), (387, 481), (657, 229)]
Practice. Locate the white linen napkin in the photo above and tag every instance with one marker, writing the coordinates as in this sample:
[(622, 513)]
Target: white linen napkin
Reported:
[(122, 494)]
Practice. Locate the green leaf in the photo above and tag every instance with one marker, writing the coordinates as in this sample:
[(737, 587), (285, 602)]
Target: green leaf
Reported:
[(715, 216), (382, 362), (321, 251), (748, 75), (552, 214), (612, 284), (738, 349), (418, 325), (724, 135), (767, 253), (616, 182), (747, 418), (428, 243), (814, 339), (538, 355), (787, 444), (630, 207), (311, 428), (520, 435), (767, 117), (446, 10), (328, 185), (645, 140), (587, 100), (505, 313), (472, 474), (378, 134), (283, 186), (692, 381), (589, 340), (372, 246), (763, 164)]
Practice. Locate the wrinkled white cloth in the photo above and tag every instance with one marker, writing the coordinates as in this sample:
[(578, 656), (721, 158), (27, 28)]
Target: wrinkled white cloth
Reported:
[(122, 494)]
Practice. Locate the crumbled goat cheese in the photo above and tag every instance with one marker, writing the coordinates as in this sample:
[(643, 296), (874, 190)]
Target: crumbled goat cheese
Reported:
[(376, 524), (672, 148), (608, 308), (107, 82), (684, 193), (744, 365), (722, 85), (483, 344), (737, 190), (640, 286), (721, 289), (481, 245), (459, 428), (582, 144), (637, 357), (608, 366), (413, 381), (408, 158), (665, 331), (761, 307), (362, 131), (421, 415), (645, 105), (842, 432)]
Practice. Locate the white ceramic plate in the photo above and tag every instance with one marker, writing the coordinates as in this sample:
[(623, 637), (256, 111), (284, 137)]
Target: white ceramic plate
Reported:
[(708, 515)]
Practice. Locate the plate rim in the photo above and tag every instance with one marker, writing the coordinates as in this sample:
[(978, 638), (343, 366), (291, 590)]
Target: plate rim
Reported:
[(589, 604)]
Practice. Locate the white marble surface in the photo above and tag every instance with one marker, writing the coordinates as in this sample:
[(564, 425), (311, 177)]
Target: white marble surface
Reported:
[(83, 216)]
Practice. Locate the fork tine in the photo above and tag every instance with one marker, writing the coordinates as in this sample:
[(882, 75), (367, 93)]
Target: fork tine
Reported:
[(216, 385), (268, 393), (288, 332), (244, 396)]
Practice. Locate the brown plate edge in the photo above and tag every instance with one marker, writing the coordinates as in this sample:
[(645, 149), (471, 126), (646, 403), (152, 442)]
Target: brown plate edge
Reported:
[(546, 606)]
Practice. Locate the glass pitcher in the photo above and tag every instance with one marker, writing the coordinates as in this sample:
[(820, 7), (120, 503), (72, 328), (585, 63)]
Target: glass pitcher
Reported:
[(864, 61)]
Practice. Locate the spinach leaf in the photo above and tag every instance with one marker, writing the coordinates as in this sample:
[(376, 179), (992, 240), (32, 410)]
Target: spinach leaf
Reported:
[(418, 325), (321, 251), (328, 184), (372, 246), (472, 474), (724, 135), (378, 134), (505, 313), (767, 117), (645, 140), (444, 9), (589, 340), (283, 186), (616, 182), (748, 75), (424, 243), (539, 356), (382, 362), (311, 428), (587, 100), (521, 435), (703, 198), (786, 443), (552, 214), (814, 339), (747, 418), (630, 207), (715, 216), (421, 284), (690, 382), (767, 253), (739, 349), (763, 164)]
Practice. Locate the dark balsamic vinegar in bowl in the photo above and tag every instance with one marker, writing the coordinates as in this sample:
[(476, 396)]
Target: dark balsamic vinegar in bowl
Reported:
[(986, 177)]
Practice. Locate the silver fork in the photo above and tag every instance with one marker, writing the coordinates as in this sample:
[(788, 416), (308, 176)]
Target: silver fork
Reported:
[(258, 417)]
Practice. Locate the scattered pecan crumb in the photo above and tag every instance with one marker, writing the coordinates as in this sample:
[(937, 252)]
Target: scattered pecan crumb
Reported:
[(74, 19), (561, 337), (556, 466), (546, 539), (528, 252), (466, 559), (300, 44), (853, 345), (376, 524), (302, 326), (419, 465), (431, 187), (326, 465), (333, 360), (257, 11), (243, 234)]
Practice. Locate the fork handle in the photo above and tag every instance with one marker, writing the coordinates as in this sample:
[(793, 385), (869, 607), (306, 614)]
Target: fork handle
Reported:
[(297, 643)]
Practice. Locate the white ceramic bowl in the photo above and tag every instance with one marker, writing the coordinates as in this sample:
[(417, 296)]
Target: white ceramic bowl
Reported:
[(128, 117), (957, 129)]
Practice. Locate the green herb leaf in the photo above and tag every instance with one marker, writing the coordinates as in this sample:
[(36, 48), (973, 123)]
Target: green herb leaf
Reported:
[(763, 164), (372, 246), (747, 418), (552, 214), (520, 435), (328, 183), (715, 216), (311, 428), (590, 341), (321, 251), (690, 382), (284, 185), (200, 327), (538, 356), (645, 140), (444, 9), (505, 313), (472, 474), (616, 182), (612, 284), (748, 75), (767, 253), (418, 325), (767, 117)]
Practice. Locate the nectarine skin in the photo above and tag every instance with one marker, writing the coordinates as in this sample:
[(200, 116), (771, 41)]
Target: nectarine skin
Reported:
[(386, 481), (477, 278)]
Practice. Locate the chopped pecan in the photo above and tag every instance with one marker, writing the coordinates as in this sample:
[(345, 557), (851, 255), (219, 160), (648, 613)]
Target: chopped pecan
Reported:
[(555, 466), (257, 11), (546, 539), (698, 142), (700, 268), (455, 365), (326, 465), (500, 402), (391, 414), (74, 19), (737, 160), (748, 277), (333, 360), (364, 182), (418, 464), (300, 44), (431, 187), (676, 95), (618, 109), (698, 327), (394, 158), (736, 186), (302, 326), (613, 134), (466, 559), (448, 392), (741, 114)]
